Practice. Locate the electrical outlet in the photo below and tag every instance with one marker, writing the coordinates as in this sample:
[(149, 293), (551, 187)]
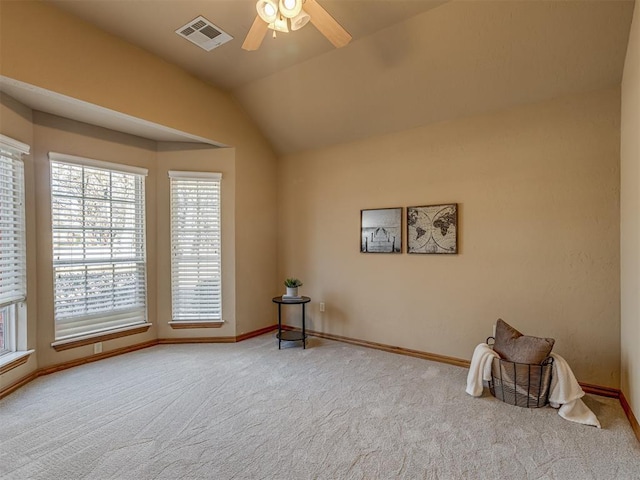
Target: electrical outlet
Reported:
[(97, 347), (322, 306)]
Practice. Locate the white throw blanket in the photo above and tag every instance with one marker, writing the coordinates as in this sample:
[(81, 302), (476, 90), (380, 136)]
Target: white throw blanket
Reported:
[(480, 369), (566, 394), (565, 391)]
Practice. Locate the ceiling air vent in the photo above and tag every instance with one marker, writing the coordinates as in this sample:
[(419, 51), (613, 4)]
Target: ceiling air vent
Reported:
[(203, 33)]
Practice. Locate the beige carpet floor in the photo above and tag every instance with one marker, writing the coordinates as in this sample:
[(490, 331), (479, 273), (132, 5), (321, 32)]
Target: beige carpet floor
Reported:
[(332, 411)]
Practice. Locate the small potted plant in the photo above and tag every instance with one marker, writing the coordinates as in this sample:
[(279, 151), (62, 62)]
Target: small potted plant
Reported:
[(292, 285)]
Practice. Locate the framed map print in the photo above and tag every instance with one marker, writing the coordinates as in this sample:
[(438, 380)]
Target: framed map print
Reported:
[(432, 229), (381, 230)]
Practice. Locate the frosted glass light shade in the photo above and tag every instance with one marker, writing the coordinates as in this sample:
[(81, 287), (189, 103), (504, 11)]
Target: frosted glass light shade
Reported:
[(300, 20), (290, 8), (267, 10)]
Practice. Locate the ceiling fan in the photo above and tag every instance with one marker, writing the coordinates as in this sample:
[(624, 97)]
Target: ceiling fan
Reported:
[(279, 15)]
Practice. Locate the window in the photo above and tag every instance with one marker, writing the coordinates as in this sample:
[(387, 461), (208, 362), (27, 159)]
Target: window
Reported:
[(7, 329), (13, 259), (196, 281), (99, 262)]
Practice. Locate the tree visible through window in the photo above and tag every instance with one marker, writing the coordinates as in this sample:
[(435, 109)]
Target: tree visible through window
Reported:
[(99, 262)]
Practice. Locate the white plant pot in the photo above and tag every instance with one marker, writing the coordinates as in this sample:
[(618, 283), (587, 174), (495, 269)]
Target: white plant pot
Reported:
[(292, 291)]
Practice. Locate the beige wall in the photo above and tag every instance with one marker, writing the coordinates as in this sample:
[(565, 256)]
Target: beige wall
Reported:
[(16, 121), (538, 195), (66, 55), (199, 159), (630, 220)]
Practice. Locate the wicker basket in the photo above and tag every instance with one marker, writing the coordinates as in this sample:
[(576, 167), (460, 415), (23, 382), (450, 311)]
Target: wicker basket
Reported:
[(521, 384)]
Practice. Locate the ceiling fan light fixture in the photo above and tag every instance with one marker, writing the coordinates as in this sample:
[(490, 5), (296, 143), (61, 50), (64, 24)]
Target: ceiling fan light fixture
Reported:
[(300, 20), (290, 8), (267, 10), (280, 15), (280, 25)]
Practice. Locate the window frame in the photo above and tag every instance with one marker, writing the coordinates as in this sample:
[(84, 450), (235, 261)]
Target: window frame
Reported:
[(13, 294), (75, 324), (208, 195), (8, 325)]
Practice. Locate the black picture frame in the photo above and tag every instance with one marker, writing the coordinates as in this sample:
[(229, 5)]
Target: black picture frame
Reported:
[(381, 230), (433, 229)]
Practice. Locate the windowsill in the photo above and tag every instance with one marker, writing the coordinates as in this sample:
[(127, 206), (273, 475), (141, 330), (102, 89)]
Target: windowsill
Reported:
[(179, 325), (76, 342), (12, 360)]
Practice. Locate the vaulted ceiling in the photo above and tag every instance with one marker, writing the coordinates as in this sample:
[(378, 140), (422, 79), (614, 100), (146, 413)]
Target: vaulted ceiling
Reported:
[(411, 62)]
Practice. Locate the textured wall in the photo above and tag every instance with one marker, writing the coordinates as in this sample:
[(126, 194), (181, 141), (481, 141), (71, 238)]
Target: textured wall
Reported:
[(538, 194), (630, 219)]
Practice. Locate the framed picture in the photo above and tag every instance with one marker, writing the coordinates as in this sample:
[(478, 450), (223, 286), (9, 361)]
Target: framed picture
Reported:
[(381, 230), (432, 229)]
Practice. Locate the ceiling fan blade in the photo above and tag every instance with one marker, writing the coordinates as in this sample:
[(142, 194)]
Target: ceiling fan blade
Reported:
[(327, 25), (256, 33)]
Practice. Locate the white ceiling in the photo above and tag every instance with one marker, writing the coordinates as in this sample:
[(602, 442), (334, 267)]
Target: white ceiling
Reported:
[(411, 62)]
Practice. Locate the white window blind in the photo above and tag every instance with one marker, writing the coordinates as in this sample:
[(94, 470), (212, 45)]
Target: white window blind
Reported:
[(196, 280), (13, 271), (99, 256)]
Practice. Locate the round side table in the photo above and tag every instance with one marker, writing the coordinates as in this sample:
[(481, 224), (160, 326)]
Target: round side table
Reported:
[(290, 335)]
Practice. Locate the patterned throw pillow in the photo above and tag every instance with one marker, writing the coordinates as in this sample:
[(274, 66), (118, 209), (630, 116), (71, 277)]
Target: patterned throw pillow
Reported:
[(513, 346)]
